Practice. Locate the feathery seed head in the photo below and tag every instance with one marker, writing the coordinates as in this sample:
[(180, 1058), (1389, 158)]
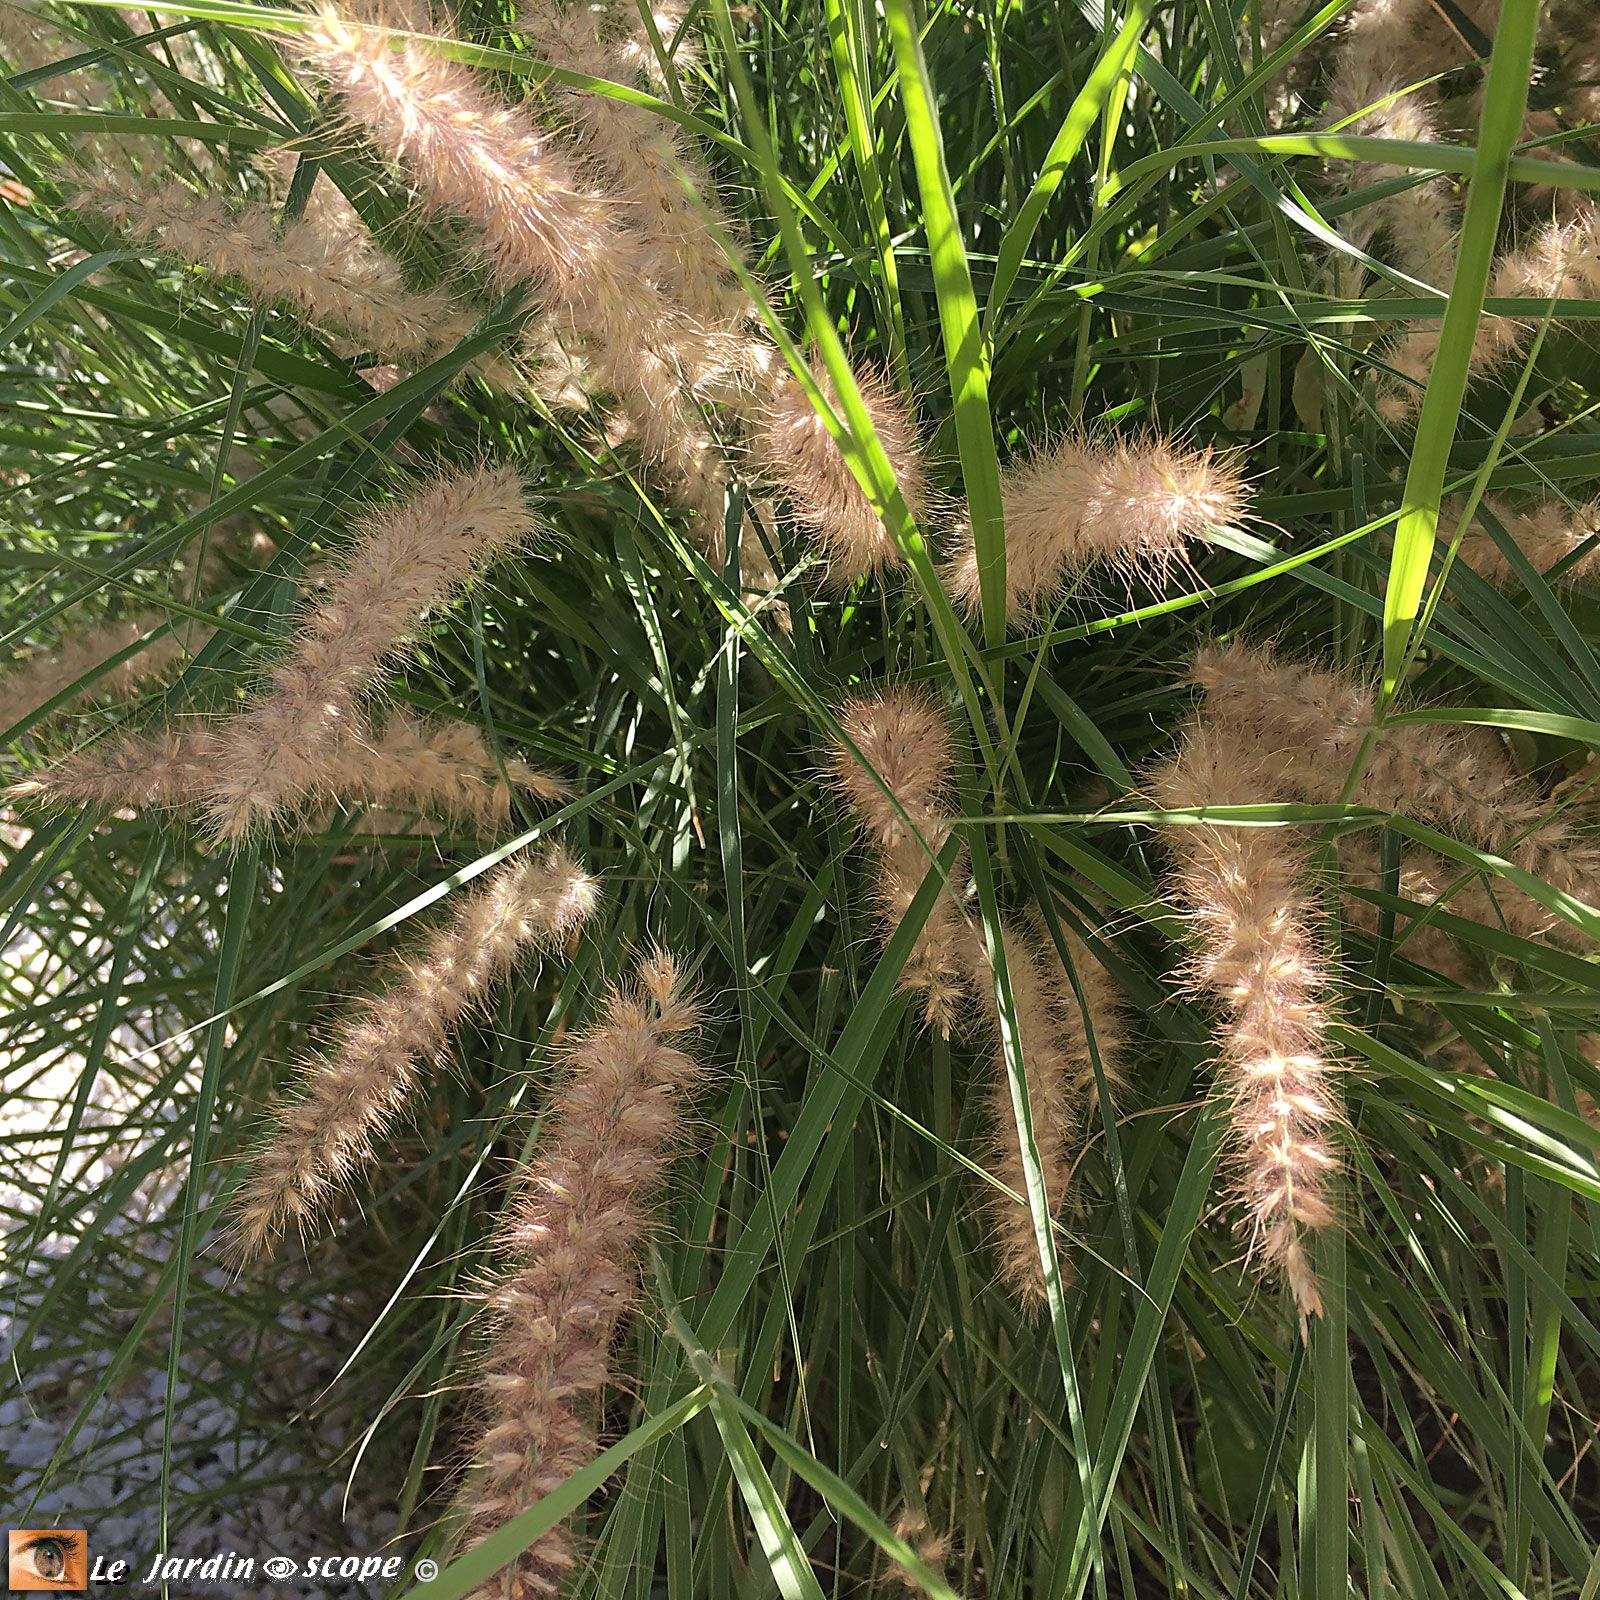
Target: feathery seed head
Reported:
[(407, 558), (471, 153), (1053, 1035), (1547, 533), (903, 737), (133, 771), (322, 263), (573, 1232), (1134, 506), (352, 1093), (42, 677), (792, 448), (1245, 891)]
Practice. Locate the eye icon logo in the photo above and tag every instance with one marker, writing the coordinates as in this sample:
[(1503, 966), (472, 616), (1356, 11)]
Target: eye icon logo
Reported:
[(50, 1559), (279, 1567)]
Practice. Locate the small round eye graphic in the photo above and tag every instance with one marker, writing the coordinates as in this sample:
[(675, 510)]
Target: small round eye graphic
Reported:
[(48, 1559), (278, 1568)]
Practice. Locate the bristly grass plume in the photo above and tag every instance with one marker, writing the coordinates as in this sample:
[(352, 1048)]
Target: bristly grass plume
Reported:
[(418, 510), (404, 560), (898, 779), (571, 1239), (350, 1093)]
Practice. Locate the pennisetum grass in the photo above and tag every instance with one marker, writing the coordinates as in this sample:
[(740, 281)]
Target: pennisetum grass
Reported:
[(236, 258), (404, 560), (1246, 892), (897, 774), (570, 1240), (1316, 725), (322, 265), (794, 453), (1135, 506), (350, 1093), (1059, 1064)]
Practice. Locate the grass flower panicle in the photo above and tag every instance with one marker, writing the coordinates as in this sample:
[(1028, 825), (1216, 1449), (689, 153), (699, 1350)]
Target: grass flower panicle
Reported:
[(1058, 1063), (439, 769), (406, 559), (471, 153), (1560, 262), (43, 677), (1134, 506), (792, 449), (353, 1091), (650, 164), (572, 1235), (903, 738), (1419, 225), (129, 772), (318, 264), (1548, 533), (1245, 892), (545, 220), (1313, 724)]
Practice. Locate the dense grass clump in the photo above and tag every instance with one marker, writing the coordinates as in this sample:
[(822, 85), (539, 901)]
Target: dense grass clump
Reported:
[(801, 799)]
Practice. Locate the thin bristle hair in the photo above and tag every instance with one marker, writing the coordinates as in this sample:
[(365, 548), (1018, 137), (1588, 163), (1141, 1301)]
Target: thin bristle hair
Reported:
[(351, 1093), (902, 736), (1256, 957), (406, 559), (800, 460), (1133, 506), (572, 1236)]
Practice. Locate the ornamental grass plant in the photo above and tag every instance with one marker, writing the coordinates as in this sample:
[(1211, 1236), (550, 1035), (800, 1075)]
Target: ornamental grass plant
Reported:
[(802, 799)]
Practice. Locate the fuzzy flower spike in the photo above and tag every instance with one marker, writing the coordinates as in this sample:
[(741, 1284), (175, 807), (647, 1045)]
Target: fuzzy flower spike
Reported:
[(1059, 1066), (904, 740), (353, 1092), (1313, 722), (1256, 957), (1547, 532), (541, 220), (322, 266), (572, 1236), (793, 450), (1135, 506), (435, 768), (81, 655), (645, 157), (1561, 261), (1387, 45), (406, 559)]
